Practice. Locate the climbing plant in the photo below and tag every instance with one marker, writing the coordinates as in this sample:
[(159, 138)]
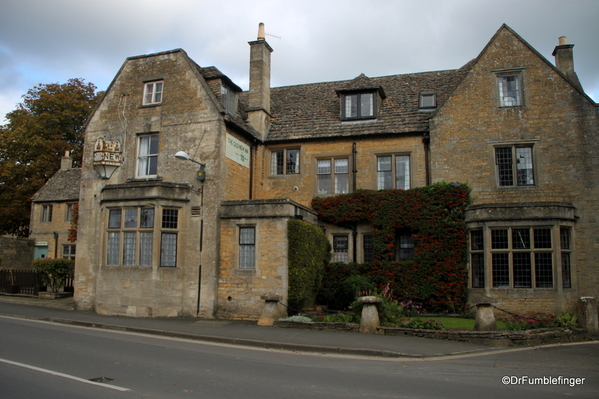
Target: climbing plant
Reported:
[(436, 276)]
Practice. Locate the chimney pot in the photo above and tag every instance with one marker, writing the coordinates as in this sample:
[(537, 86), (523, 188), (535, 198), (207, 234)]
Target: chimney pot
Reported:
[(261, 34), (563, 40)]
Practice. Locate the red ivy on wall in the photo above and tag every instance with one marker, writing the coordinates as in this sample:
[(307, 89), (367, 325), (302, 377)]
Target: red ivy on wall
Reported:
[(437, 275)]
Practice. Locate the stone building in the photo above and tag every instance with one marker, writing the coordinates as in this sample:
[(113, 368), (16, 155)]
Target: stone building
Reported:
[(203, 233), (52, 211), (525, 137)]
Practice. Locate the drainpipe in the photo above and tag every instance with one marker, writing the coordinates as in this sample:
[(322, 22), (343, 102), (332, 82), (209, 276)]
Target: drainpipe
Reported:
[(56, 245), (426, 140)]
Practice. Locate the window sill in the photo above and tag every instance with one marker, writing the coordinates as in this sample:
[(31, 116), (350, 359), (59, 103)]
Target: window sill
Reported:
[(145, 178), (150, 105), (350, 122)]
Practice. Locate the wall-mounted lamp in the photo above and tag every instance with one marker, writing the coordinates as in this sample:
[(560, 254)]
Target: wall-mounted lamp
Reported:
[(201, 174), (105, 170)]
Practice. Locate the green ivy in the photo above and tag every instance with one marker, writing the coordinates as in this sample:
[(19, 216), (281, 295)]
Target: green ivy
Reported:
[(436, 277), (309, 252)]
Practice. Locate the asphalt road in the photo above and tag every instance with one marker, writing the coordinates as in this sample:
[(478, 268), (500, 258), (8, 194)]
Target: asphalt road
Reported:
[(44, 360)]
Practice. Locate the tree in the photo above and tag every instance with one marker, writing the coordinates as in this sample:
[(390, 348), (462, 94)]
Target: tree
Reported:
[(50, 120)]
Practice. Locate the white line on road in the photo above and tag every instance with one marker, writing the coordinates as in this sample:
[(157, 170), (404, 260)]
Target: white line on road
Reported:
[(70, 377)]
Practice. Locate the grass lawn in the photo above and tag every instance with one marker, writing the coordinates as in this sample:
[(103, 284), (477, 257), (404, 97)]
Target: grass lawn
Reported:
[(457, 322)]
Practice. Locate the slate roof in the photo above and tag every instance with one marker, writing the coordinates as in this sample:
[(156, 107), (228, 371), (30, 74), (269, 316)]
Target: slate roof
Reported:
[(62, 187), (313, 110)]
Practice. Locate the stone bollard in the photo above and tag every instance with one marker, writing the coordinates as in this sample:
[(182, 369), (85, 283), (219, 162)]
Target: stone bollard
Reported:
[(272, 310), (485, 318), (370, 322), (588, 307)]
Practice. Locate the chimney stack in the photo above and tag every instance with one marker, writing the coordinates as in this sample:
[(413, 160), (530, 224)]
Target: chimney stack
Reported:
[(66, 162), (259, 94), (564, 60)]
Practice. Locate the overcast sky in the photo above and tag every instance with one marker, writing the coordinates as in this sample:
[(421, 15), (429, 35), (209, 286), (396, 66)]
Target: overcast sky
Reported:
[(51, 41)]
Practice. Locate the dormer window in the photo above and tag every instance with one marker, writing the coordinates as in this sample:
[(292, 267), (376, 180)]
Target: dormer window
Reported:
[(427, 101), (359, 105), (228, 99), (153, 92)]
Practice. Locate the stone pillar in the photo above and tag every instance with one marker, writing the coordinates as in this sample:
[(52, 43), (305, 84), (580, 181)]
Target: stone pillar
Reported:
[(272, 310), (370, 322), (485, 318), (588, 312)]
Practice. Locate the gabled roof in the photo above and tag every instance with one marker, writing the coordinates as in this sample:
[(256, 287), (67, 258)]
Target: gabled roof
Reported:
[(62, 187), (313, 111)]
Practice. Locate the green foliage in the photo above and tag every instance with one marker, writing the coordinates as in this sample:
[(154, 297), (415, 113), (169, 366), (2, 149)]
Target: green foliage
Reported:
[(567, 320), (50, 120), (348, 317), (309, 252), (419, 323), (53, 272), (436, 277)]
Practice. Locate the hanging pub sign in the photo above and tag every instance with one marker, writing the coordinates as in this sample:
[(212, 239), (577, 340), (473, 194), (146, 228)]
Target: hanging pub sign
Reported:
[(107, 157)]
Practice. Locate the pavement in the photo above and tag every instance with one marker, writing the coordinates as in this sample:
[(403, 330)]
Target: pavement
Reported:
[(240, 333)]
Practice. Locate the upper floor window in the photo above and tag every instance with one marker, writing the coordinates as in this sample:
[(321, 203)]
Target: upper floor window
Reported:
[(359, 105), (228, 98), (510, 90), (514, 166), (69, 214), (427, 100), (147, 158), (393, 171), (153, 93), (46, 213), (333, 176), (284, 162)]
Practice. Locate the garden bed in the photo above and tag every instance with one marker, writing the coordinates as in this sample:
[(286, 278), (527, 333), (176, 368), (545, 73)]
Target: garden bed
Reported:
[(503, 338)]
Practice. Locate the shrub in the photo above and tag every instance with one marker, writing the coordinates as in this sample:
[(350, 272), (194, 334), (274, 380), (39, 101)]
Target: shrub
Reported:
[(567, 320), (309, 252), (419, 323), (537, 320), (349, 317), (54, 272)]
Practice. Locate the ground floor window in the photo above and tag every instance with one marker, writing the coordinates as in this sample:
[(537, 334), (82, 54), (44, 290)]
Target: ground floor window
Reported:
[(341, 248), (520, 257), (247, 247), (68, 251), (132, 232)]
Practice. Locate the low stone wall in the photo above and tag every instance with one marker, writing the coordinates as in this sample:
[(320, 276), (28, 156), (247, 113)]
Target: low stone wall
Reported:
[(503, 338)]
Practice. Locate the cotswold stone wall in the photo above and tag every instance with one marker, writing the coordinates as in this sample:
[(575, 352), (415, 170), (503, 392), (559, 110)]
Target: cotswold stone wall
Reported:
[(16, 253), (491, 338), (239, 290), (303, 187)]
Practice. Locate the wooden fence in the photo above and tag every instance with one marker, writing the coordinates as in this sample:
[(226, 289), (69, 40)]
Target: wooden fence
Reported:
[(26, 282)]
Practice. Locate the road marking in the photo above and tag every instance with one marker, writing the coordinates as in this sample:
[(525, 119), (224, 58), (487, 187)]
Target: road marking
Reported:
[(70, 377)]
